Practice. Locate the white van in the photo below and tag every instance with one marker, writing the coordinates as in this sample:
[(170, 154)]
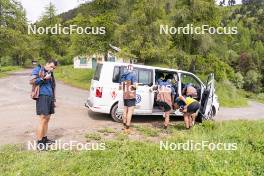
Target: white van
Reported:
[(105, 96)]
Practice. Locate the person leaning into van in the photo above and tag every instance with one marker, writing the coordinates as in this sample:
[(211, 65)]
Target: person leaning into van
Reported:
[(129, 85), (165, 97), (189, 107)]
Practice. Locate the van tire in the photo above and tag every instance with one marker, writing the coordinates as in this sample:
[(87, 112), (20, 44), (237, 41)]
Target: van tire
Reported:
[(199, 118), (114, 115)]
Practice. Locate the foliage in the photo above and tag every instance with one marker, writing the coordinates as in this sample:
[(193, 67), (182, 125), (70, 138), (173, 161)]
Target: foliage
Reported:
[(134, 26), (80, 78)]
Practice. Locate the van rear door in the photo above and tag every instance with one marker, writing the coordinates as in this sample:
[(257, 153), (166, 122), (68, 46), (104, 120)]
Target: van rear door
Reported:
[(95, 88), (207, 98)]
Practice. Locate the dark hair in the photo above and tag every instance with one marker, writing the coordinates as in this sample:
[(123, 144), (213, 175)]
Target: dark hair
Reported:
[(160, 75), (53, 61), (168, 76)]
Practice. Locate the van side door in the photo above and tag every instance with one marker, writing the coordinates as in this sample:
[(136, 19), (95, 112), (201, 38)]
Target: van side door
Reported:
[(187, 78), (144, 97)]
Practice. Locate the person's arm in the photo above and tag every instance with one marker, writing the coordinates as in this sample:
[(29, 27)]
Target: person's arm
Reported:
[(39, 81), (182, 98), (36, 79)]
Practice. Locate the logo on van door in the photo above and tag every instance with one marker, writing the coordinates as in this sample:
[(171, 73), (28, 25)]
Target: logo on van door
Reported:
[(113, 94), (138, 98)]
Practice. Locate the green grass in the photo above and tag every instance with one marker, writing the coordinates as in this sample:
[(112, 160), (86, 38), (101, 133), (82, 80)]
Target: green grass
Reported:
[(147, 131), (106, 130), (230, 96), (7, 69), (93, 136), (80, 78), (259, 97), (130, 157), (255, 97)]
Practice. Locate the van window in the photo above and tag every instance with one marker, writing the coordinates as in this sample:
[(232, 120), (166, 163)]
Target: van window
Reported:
[(116, 74), (98, 72), (144, 76), (187, 79)]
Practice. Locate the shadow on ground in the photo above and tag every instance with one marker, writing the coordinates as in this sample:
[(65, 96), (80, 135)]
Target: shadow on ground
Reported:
[(136, 118)]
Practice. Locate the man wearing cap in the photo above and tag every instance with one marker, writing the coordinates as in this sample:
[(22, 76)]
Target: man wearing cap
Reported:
[(128, 83)]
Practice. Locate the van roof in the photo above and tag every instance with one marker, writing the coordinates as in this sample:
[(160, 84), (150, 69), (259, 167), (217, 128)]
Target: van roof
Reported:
[(143, 66)]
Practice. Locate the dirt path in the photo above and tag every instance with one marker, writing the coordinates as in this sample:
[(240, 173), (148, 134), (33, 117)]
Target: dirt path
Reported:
[(254, 111), (72, 120)]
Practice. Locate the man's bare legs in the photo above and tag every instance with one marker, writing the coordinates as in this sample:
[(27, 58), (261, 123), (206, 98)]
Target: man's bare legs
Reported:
[(167, 119), (46, 125), (129, 115), (43, 126), (186, 117), (125, 116)]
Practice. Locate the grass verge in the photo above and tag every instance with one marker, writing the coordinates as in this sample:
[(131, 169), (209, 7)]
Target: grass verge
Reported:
[(230, 96), (7, 69), (128, 157), (80, 78)]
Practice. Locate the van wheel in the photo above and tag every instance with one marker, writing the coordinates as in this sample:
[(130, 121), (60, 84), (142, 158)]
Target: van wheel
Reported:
[(114, 115), (199, 118)]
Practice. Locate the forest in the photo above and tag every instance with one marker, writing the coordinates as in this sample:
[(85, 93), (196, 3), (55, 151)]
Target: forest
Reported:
[(134, 26)]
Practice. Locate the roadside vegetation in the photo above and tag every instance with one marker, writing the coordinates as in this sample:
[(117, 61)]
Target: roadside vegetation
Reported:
[(230, 96), (7, 69), (80, 78), (127, 156)]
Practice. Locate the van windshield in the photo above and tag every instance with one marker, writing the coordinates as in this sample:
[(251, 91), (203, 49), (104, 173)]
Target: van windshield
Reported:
[(98, 72)]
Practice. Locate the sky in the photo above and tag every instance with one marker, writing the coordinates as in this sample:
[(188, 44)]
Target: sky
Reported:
[(35, 8)]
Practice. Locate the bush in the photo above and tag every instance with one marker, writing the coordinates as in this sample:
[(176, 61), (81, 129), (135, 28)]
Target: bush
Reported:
[(238, 80), (229, 95), (253, 81)]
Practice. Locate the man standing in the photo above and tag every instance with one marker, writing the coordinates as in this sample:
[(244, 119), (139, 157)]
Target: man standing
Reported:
[(45, 102), (128, 83)]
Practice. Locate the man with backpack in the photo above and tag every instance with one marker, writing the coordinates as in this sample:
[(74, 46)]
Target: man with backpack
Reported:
[(43, 91), (128, 84), (165, 97)]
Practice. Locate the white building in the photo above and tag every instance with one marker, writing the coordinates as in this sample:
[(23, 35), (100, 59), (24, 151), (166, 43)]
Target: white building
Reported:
[(90, 61)]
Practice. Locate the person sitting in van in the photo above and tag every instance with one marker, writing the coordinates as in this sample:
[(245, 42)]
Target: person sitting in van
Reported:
[(189, 91), (165, 97), (128, 83), (189, 106), (160, 79)]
